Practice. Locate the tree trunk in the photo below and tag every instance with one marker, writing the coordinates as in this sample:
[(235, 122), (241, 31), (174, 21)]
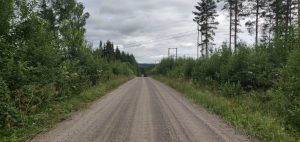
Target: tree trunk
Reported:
[(230, 26), (299, 21), (287, 16), (256, 22), (198, 30), (202, 47), (276, 17), (206, 39), (235, 24)]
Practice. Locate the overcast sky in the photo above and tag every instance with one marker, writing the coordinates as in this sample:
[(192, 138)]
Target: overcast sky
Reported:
[(147, 28)]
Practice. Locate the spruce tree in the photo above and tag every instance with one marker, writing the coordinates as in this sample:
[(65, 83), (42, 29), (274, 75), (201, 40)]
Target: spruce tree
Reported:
[(206, 18), (118, 54)]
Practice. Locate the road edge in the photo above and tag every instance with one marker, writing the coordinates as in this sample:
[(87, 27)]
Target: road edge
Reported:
[(60, 111)]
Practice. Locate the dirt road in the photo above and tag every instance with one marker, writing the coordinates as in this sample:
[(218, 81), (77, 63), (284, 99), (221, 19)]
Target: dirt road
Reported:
[(142, 110)]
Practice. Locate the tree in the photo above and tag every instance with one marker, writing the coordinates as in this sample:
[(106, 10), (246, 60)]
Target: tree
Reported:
[(44, 58), (123, 57), (238, 5), (6, 14), (118, 54), (71, 26), (234, 7), (280, 16), (206, 18), (47, 13), (101, 45), (290, 12), (256, 9), (278, 10)]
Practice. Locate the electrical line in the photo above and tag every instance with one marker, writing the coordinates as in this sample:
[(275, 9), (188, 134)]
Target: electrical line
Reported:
[(169, 37)]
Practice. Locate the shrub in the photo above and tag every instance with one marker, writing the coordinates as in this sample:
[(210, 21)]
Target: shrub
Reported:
[(231, 90), (290, 84)]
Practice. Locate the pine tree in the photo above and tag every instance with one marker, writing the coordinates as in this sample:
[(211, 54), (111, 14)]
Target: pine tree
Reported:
[(238, 6), (279, 16), (290, 14), (256, 8), (206, 18), (278, 11), (234, 7)]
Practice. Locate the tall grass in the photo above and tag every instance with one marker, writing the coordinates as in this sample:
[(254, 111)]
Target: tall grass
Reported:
[(243, 112)]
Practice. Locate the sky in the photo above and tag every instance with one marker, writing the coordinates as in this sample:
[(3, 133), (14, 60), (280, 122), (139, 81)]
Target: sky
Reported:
[(147, 28)]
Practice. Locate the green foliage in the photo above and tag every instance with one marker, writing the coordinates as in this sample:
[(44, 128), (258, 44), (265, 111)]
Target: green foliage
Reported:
[(56, 111), (290, 84), (266, 74), (231, 90), (44, 58), (6, 14), (205, 17), (247, 113)]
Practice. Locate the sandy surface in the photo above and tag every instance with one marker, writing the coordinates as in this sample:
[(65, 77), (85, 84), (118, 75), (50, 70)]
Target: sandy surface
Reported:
[(142, 110)]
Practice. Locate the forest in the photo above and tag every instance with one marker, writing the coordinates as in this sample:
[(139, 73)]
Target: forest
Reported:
[(46, 62), (45, 58), (261, 81)]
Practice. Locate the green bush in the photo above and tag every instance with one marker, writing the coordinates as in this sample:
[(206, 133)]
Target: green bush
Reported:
[(231, 90), (268, 74), (290, 84), (44, 58)]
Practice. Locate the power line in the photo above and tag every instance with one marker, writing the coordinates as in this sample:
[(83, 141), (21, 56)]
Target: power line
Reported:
[(170, 37)]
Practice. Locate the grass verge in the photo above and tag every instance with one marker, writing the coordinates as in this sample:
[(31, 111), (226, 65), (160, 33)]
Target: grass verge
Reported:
[(59, 111), (239, 112)]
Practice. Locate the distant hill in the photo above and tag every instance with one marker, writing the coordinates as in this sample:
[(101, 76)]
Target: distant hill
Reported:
[(146, 65), (144, 68)]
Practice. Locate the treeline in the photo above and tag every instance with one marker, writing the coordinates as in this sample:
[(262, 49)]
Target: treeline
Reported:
[(267, 20), (45, 58), (109, 52)]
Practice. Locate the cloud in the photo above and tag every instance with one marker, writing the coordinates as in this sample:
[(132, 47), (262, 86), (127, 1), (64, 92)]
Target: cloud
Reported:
[(147, 28)]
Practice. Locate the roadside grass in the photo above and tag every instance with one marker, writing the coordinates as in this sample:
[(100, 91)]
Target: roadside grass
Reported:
[(244, 113), (55, 112)]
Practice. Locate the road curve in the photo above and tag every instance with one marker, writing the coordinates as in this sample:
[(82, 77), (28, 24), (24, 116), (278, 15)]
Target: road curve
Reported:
[(142, 110)]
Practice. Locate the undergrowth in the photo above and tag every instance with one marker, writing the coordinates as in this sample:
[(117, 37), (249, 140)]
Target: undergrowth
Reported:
[(57, 111), (244, 112)]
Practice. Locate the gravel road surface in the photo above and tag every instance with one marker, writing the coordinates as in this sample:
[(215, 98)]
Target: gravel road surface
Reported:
[(142, 110)]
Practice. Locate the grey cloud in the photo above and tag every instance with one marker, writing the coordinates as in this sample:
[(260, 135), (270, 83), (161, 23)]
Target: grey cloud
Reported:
[(147, 28)]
